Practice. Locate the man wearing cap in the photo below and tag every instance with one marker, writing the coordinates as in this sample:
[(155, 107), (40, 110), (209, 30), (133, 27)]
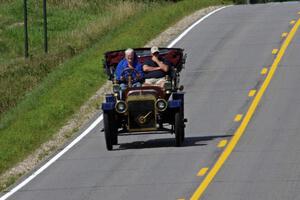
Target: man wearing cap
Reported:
[(155, 69)]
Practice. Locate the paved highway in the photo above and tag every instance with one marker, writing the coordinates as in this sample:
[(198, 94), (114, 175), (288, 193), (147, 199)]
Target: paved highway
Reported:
[(230, 55)]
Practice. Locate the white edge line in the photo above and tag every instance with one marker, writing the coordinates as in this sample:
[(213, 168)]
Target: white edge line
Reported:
[(94, 124), (193, 25), (52, 160)]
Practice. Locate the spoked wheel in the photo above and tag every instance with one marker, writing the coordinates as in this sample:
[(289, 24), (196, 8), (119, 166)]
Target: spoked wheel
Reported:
[(179, 129), (111, 137)]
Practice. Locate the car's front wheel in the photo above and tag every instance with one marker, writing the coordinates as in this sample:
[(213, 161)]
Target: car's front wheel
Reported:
[(110, 135)]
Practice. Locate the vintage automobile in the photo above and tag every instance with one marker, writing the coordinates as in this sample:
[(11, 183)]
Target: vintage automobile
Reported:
[(145, 109)]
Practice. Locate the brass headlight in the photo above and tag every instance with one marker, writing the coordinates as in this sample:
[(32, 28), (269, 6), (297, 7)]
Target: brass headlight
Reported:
[(121, 106), (161, 104), (116, 88), (168, 85)]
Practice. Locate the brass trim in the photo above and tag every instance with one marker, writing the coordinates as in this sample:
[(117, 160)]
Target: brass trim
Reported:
[(142, 98), (142, 119), (116, 85), (142, 129), (126, 107), (165, 103)]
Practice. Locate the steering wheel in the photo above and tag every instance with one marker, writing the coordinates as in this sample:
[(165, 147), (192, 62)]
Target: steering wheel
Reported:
[(128, 72)]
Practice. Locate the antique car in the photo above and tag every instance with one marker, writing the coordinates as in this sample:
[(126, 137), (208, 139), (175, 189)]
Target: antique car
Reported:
[(146, 109)]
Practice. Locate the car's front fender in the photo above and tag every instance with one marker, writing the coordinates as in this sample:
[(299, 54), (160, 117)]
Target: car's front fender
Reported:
[(175, 103), (108, 106)]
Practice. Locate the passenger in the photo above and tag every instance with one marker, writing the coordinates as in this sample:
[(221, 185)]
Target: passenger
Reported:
[(129, 62), (155, 69)]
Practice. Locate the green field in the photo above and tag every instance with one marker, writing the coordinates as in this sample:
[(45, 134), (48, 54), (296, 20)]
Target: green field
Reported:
[(38, 95), (72, 27)]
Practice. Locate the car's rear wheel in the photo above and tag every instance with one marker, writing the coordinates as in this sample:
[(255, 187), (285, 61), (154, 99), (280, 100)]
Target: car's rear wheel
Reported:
[(179, 129), (183, 132), (108, 131), (182, 127)]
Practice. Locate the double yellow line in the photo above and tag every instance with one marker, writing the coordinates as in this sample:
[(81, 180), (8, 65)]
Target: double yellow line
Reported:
[(241, 129)]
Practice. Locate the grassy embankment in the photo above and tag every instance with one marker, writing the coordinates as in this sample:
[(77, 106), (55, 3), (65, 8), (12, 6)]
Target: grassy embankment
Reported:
[(72, 25), (44, 109)]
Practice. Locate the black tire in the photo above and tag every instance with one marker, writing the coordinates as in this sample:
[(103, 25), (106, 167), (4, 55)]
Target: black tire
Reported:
[(108, 133), (114, 135), (179, 129), (182, 126), (183, 132)]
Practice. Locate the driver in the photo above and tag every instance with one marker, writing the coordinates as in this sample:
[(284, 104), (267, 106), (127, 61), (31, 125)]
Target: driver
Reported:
[(129, 62)]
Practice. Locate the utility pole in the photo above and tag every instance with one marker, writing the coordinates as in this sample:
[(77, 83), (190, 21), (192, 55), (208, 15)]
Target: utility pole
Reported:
[(25, 30), (45, 26)]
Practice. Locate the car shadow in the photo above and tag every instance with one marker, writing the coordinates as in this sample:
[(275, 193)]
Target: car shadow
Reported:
[(169, 142)]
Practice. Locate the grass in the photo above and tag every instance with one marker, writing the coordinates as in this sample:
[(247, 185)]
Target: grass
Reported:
[(49, 105), (72, 27)]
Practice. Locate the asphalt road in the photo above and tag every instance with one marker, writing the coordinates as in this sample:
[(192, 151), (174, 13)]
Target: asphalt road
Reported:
[(226, 53)]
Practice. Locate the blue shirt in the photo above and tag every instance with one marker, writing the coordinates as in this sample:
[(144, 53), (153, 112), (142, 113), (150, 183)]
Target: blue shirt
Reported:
[(123, 64)]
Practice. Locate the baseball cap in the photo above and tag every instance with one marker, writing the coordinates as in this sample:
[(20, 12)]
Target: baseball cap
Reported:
[(154, 49)]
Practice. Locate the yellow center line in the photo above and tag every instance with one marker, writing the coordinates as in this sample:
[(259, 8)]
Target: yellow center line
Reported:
[(252, 93), (283, 35), (238, 117), (264, 71), (202, 171), (222, 143), (274, 51), (241, 129)]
